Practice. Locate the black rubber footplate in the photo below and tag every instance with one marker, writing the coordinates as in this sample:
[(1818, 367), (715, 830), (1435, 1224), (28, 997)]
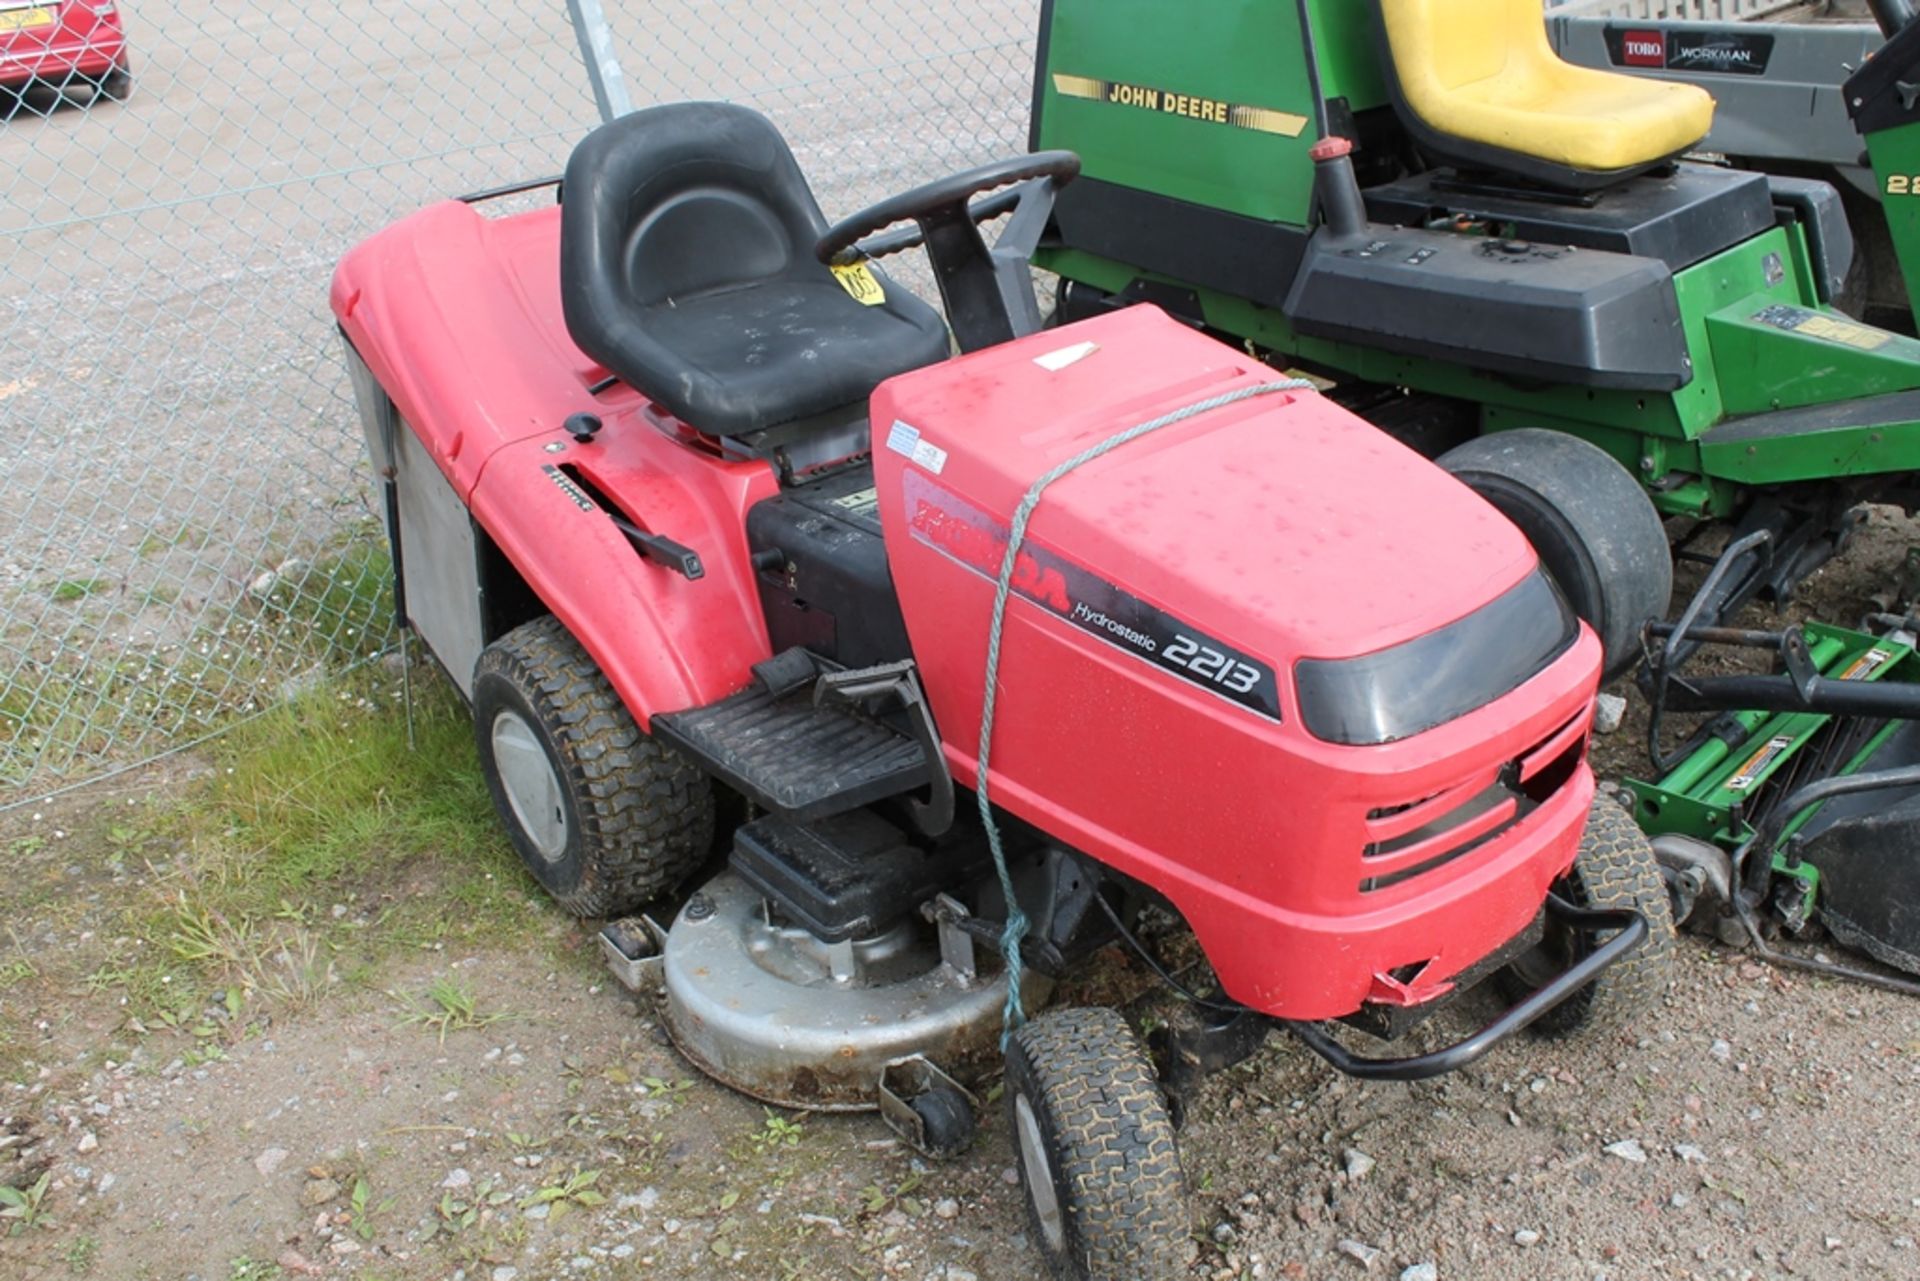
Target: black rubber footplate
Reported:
[(789, 756), (850, 876)]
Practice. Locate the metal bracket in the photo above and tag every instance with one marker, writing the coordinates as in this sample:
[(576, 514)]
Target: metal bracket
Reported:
[(635, 948), (899, 683), (909, 1078), (956, 943), (1195, 1044), (1798, 661)]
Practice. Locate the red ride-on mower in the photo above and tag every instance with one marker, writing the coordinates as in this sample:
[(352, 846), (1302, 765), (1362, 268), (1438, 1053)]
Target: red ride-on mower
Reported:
[(984, 655)]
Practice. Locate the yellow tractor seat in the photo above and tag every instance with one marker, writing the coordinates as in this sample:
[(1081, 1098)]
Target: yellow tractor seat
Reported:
[(1479, 86)]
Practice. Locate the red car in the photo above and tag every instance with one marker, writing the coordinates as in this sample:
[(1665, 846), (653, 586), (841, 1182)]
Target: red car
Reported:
[(61, 42)]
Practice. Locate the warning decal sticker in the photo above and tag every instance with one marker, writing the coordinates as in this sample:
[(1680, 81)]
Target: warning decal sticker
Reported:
[(1754, 766), (1817, 324)]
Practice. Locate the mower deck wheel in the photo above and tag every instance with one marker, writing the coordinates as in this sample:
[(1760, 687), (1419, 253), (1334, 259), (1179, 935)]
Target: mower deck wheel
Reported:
[(1097, 1153), (605, 818), (1616, 868), (948, 1119), (1594, 527)]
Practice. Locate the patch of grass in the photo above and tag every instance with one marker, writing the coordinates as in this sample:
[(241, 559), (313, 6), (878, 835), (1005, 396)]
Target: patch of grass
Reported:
[(246, 1268), (320, 844), (58, 709), (186, 535), (69, 590), (15, 972), (449, 1007), (339, 608)]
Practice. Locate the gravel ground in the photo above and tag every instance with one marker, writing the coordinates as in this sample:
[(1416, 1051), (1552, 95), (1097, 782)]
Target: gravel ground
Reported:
[(1753, 1126)]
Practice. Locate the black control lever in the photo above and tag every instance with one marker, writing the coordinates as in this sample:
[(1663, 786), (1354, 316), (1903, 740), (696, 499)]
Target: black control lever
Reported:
[(682, 560)]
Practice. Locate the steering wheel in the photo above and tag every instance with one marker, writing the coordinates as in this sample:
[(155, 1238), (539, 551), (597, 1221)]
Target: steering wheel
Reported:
[(945, 196)]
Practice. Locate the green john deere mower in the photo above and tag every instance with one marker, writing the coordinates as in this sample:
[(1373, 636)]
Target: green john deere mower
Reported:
[(1504, 261), (1499, 257)]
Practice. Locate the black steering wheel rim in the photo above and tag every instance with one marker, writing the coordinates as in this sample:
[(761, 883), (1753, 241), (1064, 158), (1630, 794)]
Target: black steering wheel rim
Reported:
[(942, 194)]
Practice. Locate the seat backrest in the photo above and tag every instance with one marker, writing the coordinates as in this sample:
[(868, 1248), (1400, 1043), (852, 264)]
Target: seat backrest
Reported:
[(1452, 43), (673, 203)]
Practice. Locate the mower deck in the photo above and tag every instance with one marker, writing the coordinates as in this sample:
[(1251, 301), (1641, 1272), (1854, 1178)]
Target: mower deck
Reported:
[(774, 1013)]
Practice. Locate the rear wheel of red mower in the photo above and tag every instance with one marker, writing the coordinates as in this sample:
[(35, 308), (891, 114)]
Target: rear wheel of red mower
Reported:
[(1616, 869), (1105, 1199), (604, 817), (1594, 527)]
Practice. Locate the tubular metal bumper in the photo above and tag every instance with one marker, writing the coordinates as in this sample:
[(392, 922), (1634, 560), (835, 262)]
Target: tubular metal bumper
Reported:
[(1632, 929)]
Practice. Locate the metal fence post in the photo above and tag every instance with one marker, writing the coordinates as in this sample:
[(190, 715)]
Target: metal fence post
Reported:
[(596, 49)]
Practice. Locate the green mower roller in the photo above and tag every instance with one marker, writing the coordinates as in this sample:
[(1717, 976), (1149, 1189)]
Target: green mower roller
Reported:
[(1795, 802), (1500, 259)]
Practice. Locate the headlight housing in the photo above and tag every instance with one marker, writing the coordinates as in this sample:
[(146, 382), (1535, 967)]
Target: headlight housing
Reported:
[(1401, 691)]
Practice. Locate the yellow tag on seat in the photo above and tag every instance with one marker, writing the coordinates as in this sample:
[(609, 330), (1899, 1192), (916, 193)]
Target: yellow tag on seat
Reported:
[(859, 281)]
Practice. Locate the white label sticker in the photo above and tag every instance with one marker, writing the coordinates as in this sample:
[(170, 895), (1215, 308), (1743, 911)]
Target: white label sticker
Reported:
[(905, 439), (930, 456), (1054, 361), (901, 438)]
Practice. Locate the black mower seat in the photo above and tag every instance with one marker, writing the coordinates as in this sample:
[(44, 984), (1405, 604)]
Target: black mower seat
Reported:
[(687, 269), (1478, 85)]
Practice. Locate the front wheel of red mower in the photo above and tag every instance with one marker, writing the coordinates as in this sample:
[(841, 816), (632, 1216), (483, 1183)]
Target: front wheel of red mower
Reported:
[(1616, 868), (1105, 1198), (604, 817)]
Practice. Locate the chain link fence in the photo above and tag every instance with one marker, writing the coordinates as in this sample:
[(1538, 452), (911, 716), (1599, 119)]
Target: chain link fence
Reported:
[(186, 529)]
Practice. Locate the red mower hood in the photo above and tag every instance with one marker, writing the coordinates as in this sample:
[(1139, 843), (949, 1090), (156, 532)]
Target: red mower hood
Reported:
[(1283, 524)]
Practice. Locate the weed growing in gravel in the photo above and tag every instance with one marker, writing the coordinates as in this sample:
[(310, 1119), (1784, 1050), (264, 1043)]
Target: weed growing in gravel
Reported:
[(455, 1214), (361, 1207), (25, 1208), (779, 1132), (574, 1190), (449, 1007), (81, 1253)]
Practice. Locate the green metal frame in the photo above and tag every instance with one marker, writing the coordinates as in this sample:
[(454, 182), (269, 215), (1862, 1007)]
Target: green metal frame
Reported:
[(1706, 795)]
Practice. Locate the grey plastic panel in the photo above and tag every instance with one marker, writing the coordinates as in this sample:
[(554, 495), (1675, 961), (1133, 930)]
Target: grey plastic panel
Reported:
[(1794, 111), (439, 570), (1680, 219), (1578, 316)]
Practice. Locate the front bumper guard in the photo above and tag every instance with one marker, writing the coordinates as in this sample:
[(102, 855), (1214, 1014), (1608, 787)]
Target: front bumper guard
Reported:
[(1632, 933)]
